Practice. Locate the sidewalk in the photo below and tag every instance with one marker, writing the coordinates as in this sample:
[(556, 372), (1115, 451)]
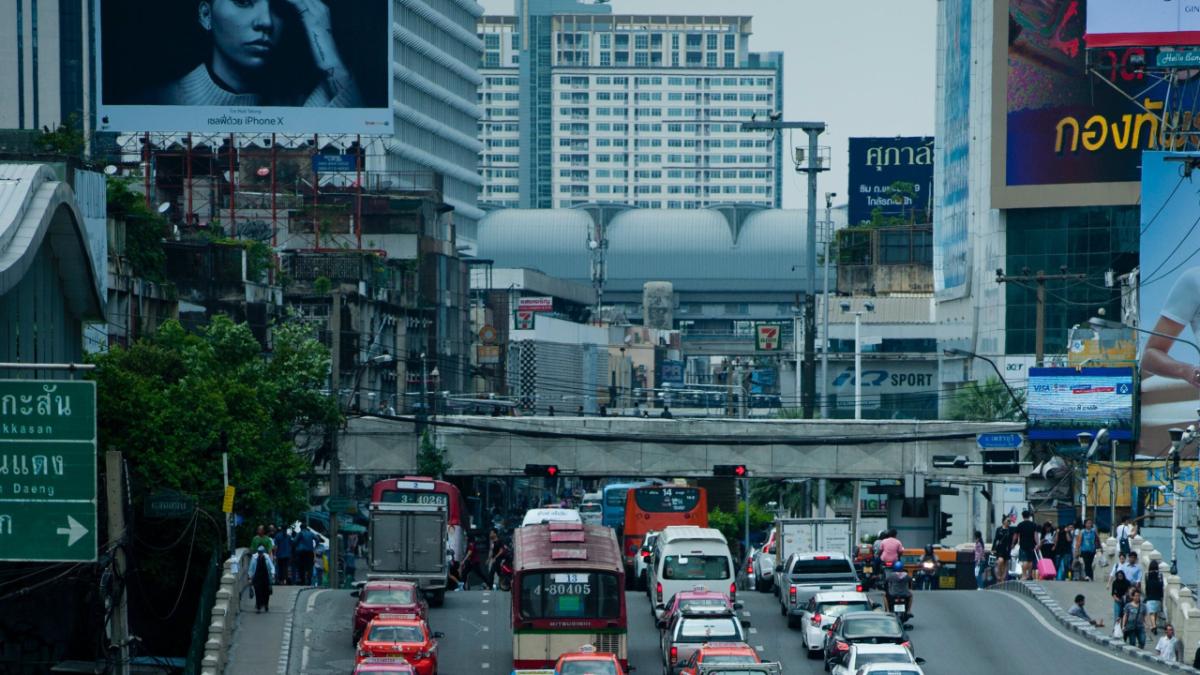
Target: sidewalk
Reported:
[(1097, 601), (260, 641)]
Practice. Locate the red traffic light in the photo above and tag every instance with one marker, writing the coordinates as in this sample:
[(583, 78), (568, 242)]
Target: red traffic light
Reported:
[(552, 471), (547, 470), (739, 470), (732, 470)]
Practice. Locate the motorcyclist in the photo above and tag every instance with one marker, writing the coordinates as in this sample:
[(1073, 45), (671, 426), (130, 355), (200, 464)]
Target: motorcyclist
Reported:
[(929, 569), (898, 584)]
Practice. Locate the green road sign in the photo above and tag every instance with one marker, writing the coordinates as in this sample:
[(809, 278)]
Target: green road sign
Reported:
[(169, 504), (341, 505), (47, 471)]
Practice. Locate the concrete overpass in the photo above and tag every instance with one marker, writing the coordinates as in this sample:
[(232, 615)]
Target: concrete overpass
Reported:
[(630, 446)]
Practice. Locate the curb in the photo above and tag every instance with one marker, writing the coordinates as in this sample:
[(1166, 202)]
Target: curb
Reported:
[(1084, 629)]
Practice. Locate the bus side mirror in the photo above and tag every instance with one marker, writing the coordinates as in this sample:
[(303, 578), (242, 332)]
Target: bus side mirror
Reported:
[(745, 622), (779, 568)]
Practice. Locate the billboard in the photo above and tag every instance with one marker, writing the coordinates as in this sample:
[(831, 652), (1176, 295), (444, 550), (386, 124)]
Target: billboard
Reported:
[(1062, 402), (1068, 132), (1142, 23), (245, 66), (952, 243), (1169, 297), (877, 166)]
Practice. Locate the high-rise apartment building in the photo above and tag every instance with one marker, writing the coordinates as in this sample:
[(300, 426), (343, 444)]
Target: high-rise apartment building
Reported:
[(46, 63), (582, 105)]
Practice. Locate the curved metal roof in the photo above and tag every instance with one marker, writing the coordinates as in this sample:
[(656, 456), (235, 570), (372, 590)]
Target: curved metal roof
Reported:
[(695, 249)]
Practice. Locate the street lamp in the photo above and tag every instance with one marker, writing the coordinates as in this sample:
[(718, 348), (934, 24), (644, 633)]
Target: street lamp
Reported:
[(870, 307), (1180, 439), (972, 355), (1090, 444)]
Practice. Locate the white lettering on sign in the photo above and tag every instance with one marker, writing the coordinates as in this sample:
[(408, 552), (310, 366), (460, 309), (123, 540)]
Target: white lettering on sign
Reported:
[(43, 465), (413, 485), (28, 404), (5, 523), (21, 489)]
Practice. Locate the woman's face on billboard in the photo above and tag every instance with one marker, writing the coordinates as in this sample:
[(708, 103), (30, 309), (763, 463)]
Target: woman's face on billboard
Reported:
[(245, 33)]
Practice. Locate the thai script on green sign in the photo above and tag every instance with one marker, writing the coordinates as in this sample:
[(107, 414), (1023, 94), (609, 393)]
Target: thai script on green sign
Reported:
[(48, 410)]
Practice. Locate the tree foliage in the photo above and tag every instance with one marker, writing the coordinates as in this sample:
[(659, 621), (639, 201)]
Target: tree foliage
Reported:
[(432, 460), (166, 401), (731, 524), (144, 230), (790, 495), (988, 402)]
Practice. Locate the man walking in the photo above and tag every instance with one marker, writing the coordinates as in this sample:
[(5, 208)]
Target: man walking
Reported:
[(1133, 571), (1026, 539), (283, 555), (1125, 533), (1169, 648), (262, 539), (305, 547)]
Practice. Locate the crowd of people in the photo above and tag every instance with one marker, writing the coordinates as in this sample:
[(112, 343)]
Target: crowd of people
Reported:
[(483, 560), (1071, 548), (285, 556)]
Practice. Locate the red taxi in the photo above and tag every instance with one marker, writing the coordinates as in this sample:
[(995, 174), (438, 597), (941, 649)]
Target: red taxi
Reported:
[(724, 653), (401, 636), (389, 666), (587, 661), (386, 597)]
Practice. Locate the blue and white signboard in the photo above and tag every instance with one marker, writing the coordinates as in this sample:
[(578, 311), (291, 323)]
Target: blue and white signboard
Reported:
[(671, 371), (1065, 401), (335, 163), (999, 441)]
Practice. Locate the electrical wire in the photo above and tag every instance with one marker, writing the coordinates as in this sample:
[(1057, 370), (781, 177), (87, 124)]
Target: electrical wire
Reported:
[(1182, 177)]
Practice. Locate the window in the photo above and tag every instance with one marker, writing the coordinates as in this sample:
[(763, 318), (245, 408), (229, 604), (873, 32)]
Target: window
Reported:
[(729, 60), (549, 595), (622, 41), (641, 41), (491, 41), (641, 59), (622, 58), (605, 59), (710, 59), (693, 58), (693, 40), (730, 41), (606, 41)]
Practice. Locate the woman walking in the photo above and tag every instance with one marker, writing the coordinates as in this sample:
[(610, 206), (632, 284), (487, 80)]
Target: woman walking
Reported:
[(1088, 538), (1154, 595), (261, 572), (1064, 542), (1133, 620), (981, 560), (1119, 589), (1046, 543)]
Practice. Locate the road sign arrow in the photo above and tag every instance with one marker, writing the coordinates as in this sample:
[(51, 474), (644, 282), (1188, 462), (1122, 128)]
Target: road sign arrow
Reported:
[(74, 531)]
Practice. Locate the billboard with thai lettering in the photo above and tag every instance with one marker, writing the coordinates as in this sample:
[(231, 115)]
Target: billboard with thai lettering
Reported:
[(1069, 128), (890, 180), (1143, 23), (245, 66)]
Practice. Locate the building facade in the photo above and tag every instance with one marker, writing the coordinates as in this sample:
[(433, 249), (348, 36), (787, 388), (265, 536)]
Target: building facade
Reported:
[(583, 106), (46, 63)]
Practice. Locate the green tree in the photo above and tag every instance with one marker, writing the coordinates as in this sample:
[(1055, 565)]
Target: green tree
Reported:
[(432, 460), (790, 495), (144, 230), (989, 402), (66, 139), (731, 524)]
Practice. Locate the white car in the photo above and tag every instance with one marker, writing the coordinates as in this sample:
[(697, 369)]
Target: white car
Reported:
[(641, 562), (892, 659), (820, 613), (541, 516), (762, 566)]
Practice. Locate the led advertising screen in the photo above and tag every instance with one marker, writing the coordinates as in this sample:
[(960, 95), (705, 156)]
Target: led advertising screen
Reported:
[(1143, 23), (245, 66), (1169, 297), (952, 241), (1065, 401), (891, 178), (1070, 128)]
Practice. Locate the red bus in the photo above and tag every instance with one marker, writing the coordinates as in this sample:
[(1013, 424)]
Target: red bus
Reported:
[(568, 590), (425, 490), (650, 508)]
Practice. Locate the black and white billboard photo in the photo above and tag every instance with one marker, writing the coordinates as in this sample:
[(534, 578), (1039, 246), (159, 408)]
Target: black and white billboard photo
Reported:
[(229, 66)]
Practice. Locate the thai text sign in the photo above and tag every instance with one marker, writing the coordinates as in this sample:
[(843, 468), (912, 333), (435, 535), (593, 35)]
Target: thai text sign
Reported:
[(47, 471), (893, 175), (536, 304), (1063, 402), (1142, 23)]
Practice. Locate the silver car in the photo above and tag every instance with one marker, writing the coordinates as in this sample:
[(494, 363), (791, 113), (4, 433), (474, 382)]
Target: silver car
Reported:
[(689, 630), (641, 562), (820, 613)]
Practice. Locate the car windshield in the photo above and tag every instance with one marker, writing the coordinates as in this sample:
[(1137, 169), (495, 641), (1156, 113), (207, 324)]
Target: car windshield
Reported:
[(729, 658), (836, 609), (872, 626), (889, 657), (721, 629), (396, 634), (826, 566), (588, 668), (696, 567), (389, 596)]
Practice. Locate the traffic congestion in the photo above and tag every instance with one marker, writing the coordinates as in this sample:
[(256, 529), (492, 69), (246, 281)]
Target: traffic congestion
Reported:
[(570, 576)]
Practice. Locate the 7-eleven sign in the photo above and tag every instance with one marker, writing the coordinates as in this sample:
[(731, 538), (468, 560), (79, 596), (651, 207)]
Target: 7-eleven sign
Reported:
[(524, 319), (767, 337)]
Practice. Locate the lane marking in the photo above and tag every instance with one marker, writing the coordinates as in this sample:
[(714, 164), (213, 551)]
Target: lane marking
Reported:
[(759, 647), (1059, 631), (312, 601), (483, 612), (486, 601), (304, 652), (753, 630), (485, 646), (485, 665)]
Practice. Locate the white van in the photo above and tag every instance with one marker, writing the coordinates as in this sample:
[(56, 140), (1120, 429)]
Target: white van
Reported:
[(591, 509), (539, 516), (688, 558)]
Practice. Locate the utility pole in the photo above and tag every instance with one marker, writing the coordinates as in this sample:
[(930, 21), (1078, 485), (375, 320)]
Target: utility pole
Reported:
[(335, 331), (114, 490), (1040, 278), (814, 166), (825, 329)]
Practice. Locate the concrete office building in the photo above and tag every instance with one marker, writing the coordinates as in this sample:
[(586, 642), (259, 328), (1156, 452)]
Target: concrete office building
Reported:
[(45, 63), (582, 106)]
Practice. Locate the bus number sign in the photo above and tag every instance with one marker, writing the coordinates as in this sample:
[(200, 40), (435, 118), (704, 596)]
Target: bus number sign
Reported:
[(408, 497)]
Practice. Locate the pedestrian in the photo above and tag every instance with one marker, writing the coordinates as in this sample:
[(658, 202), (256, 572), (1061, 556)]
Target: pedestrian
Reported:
[(497, 554), (579, 411), (1079, 612), (1133, 621), (550, 412), (1119, 565), (1133, 571), (666, 413), (350, 563), (305, 551), (1169, 648), (261, 571), (471, 563), (1154, 595), (1002, 545), (1047, 540), (980, 560), (320, 563), (1088, 538), (1026, 539), (1118, 590), (283, 555), (1125, 533), (1064, 543), (261, 539)]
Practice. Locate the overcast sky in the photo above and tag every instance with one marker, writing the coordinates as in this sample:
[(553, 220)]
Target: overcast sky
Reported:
[(864, 67)]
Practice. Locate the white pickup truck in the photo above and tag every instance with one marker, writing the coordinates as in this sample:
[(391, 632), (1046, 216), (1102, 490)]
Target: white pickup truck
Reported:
[(803, 575)]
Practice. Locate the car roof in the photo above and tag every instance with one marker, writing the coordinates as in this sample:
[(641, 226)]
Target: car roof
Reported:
[(891, 668), (394, 620), (880, 649), (866, 615), (836, 596), (699, 594), (588, 656), (813, 555)]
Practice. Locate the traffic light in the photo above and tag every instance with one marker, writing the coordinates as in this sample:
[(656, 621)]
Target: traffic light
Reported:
[(944, 520), (547, 470), (731, 470)]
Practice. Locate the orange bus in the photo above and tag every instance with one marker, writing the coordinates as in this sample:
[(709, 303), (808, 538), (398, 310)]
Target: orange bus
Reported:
[(650, 508)]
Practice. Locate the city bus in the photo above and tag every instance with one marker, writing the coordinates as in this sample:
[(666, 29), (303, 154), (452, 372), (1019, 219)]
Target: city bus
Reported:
[(650, 508), (568, 591), (425, 490), (612, 512)]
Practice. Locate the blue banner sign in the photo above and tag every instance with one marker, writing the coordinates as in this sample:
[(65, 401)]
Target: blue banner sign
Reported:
[(999, 441), (335, 163)]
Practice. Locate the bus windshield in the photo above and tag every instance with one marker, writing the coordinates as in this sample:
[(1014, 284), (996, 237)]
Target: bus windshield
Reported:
[(667, 499), (570, 595), (615, 496)]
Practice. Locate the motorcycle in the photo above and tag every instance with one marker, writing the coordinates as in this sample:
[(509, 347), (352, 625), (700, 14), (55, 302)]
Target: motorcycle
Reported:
[(926, 575), (900, 608)]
